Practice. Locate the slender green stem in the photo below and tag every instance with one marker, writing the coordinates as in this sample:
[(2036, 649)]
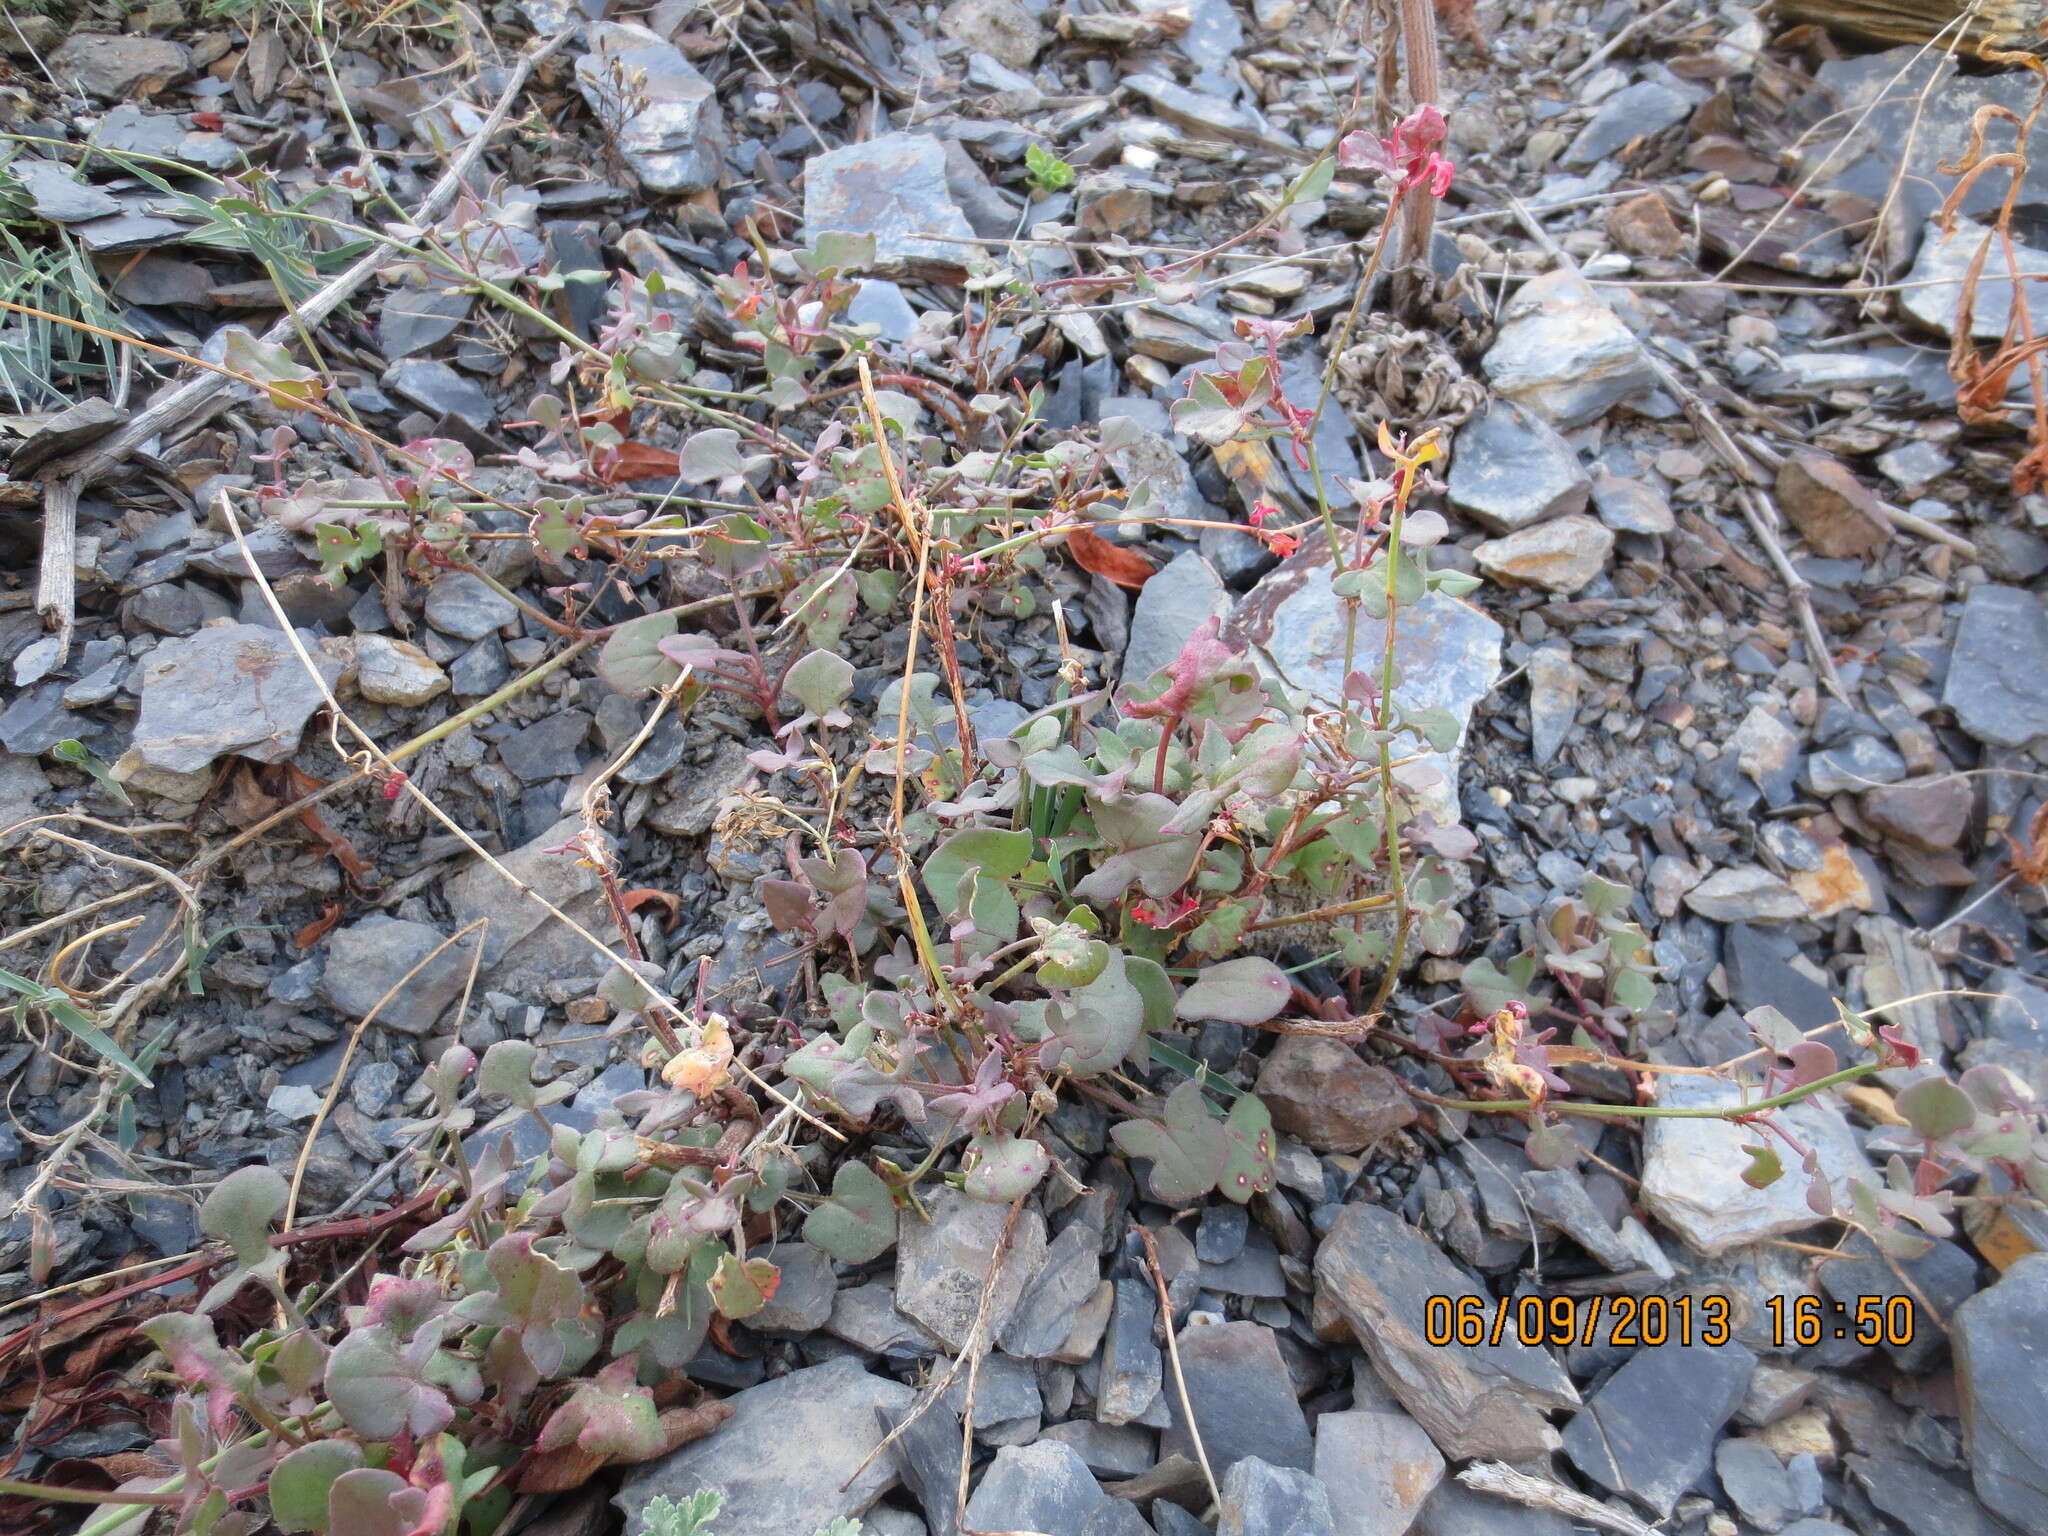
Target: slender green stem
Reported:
[(57, 1494), (1657, 1111), (1396, 875)]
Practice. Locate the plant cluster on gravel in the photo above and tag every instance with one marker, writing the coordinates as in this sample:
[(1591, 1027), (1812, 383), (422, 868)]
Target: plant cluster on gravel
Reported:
[(987, 926)]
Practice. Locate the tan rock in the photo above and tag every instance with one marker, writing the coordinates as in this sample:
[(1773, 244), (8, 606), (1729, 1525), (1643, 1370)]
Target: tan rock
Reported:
[(1562, 555), (1805, 1432), (1834, 511), (1643, 226), (1005, 30), (1320, 1092), (1931, 813), (392, 671)]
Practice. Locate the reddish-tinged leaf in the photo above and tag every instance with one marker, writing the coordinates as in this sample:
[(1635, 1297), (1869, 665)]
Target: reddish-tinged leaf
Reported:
[(635, 899), (316, 930), (633, 461), (1099, 557), (208, 122)]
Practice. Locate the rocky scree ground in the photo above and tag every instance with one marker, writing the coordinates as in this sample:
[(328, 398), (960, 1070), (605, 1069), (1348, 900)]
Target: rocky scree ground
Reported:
[(1636, 695)]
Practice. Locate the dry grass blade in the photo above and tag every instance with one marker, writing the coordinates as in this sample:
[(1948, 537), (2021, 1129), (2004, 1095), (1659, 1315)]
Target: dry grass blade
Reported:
[(1180, 1381)]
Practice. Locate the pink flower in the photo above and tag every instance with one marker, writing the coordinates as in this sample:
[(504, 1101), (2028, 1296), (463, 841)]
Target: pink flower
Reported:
[(1409, 158)]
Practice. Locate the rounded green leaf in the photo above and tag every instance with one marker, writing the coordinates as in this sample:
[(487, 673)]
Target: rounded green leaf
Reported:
[(741, 1290), (1936, 1107), (1765, 1166), (1004, 1168), (1247, 991), (300, 1482), (241, 1208), (370, 1501), (631, 662), (990, 852), (858, 1223), (820, 681)]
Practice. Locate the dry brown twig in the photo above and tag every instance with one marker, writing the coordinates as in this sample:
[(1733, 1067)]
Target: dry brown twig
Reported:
[(1180, 1381)]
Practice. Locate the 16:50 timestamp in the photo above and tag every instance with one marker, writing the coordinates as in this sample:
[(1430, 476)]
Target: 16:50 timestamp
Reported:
[(1801, 1321), (1654, 1321)]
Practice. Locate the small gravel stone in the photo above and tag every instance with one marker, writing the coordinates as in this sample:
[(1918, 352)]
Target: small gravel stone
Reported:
[(1322, 1093), (115, 68), (1560, 556), (1638, 111), (1042, 1487), (393, 672), (894, 188), (237, 688), (460, 604), (1996, 683), (1264, 1500), (369, 958), (1564, 353), (1510, 469), (1170, 608), (662, 114)]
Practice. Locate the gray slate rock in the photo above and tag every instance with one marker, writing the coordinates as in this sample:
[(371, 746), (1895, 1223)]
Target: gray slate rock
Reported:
[(66, 432), (1996, 683), (434, 386), (1379, 1467), (1756, 1482), (1564, 353), (413, 319), (1635, 111), (1510, 469), (879, 302), (367, 958), (1918, 1498), (237, 688), (1746, 893), (1146, 463), (1129, 1384), (1448, 651), (524, 946), (1378, 1273), (941, 1264), (780, 1458), (1455, 1510), (1043, 1487), (60, 196), (1044, 1314), (1692, 1169), (2000, 1339), (2019, 1014), (1264, 1500), (1110, 1450), (548, 748), (1553, 700), (1649, 1431), (662, 114), (803, 1298), (1243, 1398), (459, 604), (894, 188), (112, 67), (1631, 506), (1175, 603), (1860, 763)]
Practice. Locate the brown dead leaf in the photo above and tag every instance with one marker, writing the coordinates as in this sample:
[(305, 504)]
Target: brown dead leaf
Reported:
[(637, 898), (634, 461), (316, 930), (559, 1470), (1099, 557)]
